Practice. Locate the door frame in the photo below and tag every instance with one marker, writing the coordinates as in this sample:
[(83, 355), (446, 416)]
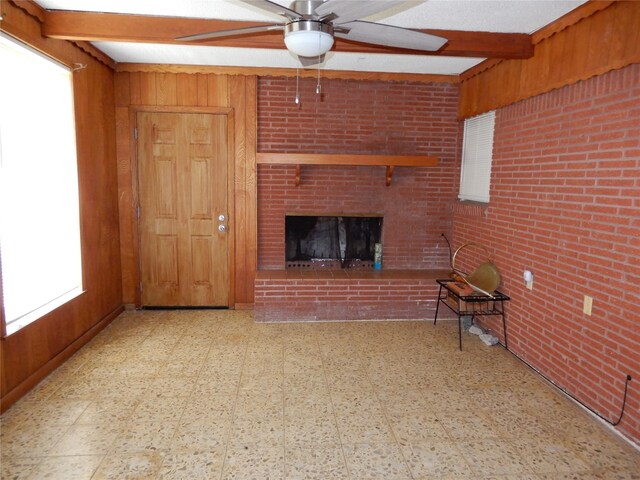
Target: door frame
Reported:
[(135, 199)]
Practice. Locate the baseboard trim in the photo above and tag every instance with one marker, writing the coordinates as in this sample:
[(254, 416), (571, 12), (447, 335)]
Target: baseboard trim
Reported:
[(36, 377), (243, 306)]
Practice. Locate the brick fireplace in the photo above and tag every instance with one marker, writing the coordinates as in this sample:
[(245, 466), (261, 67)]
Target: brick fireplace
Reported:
[(356, 118)]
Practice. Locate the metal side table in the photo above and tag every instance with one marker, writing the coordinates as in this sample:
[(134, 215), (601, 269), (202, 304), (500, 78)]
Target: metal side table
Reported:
[(457, 298)]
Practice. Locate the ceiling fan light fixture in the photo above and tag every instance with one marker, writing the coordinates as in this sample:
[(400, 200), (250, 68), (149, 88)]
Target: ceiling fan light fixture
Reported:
[(308, 38)]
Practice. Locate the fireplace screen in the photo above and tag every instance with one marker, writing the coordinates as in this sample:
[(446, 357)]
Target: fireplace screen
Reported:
[(331, 241)]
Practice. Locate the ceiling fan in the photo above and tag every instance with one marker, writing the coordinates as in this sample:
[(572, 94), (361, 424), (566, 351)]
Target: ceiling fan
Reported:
[(310, 27)]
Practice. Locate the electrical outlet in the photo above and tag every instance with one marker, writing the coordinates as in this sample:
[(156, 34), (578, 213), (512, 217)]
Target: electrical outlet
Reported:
[(587, 305), (528, 279)]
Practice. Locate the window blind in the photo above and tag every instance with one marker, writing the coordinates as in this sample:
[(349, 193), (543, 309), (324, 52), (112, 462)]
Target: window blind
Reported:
[(477, 152)]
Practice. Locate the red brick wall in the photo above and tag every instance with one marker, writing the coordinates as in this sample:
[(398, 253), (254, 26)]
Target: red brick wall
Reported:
[(313, 299), (565, 204), (360, 117)]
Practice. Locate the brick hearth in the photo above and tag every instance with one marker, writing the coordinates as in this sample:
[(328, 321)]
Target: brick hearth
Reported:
[(332, 295)]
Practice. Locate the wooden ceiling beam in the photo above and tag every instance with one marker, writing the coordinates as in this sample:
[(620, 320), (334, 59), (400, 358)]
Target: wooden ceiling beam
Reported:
[(110, 27)]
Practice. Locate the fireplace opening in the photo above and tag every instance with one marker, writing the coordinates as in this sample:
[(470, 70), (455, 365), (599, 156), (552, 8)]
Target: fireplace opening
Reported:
[(331, 241)]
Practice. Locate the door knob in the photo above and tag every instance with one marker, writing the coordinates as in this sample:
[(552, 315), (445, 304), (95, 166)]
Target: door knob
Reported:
[(222, 218), (222, 228)]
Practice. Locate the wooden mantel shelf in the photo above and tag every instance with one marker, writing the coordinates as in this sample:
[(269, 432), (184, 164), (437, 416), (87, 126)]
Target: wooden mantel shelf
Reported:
[(389, 161), (346, 159)]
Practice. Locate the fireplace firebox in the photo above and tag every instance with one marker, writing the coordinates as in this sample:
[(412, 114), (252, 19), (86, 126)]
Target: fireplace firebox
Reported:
[(324, 241)]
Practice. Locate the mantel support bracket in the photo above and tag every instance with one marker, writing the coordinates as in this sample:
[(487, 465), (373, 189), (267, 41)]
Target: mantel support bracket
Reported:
[(298, 174), (389, 175)]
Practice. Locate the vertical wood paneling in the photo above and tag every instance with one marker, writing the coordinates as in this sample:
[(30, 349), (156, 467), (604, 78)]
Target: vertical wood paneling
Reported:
[(600, 41), (126, 202), (513, 79), (187, 89), (122, 88), (578, 62), (218, 90), (135, 86), (184, 90), (3, 333), (624, 28), (148, 94), (606, 40), (631, 37), (203, 89), (3, 378), (556, 55), (237, 95), (166, 89), (251, 190), (541, 74)]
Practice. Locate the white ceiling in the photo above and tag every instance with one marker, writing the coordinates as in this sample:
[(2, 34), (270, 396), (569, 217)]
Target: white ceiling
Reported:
[(508, 16)]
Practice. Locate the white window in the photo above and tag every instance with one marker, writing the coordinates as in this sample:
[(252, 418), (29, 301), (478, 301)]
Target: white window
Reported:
[(477, 151), (39, 213)]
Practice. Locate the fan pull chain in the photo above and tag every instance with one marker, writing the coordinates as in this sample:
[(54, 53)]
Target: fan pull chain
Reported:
[(297, 99), (318, 87)]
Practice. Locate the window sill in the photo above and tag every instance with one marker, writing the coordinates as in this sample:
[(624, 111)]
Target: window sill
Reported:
[(473, 202), (31, 317)]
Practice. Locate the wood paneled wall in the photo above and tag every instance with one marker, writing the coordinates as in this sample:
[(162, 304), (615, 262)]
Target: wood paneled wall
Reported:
[(31, 353), (607, 40), (243, 98), (137, 91)]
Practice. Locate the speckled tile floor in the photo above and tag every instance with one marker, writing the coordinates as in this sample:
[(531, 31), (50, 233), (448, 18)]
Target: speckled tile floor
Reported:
[(212, 395)]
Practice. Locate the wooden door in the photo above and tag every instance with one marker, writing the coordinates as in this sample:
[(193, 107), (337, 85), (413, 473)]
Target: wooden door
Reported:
[(182, 175)]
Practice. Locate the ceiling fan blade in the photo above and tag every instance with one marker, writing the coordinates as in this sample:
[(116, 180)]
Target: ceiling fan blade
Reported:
[(274, 8), (231, 33), (343, 11), (389, 36), (310, 61)]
